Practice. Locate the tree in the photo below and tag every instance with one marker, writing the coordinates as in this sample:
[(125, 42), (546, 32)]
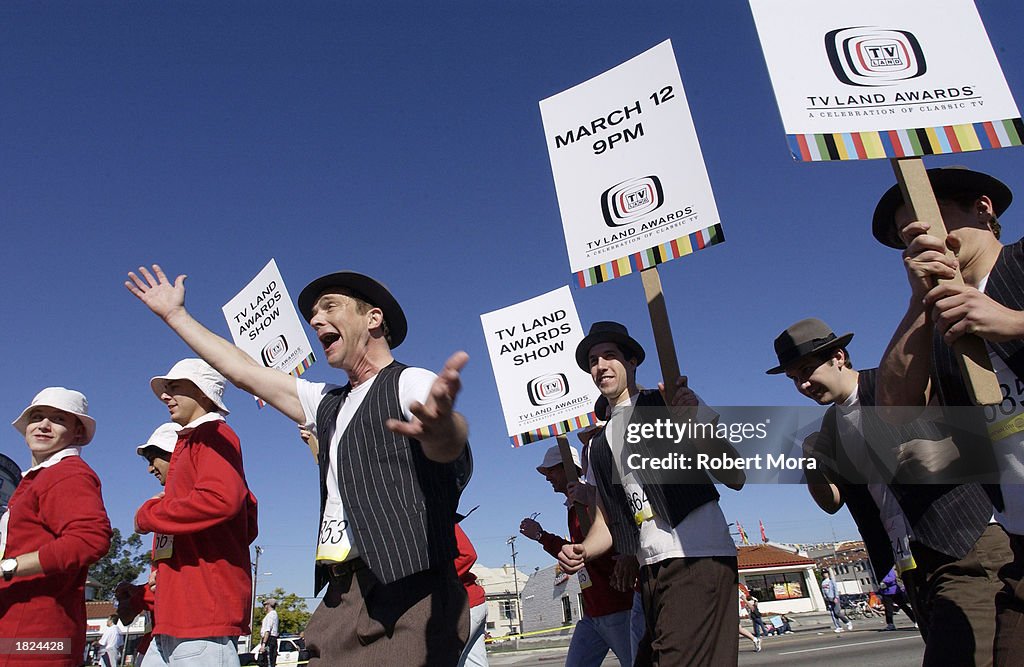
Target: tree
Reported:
[(125, 561), (292, 615)]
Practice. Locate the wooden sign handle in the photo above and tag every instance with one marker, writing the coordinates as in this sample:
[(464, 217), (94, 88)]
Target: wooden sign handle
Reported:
[(582, 511), (970, 350), (662, 329)]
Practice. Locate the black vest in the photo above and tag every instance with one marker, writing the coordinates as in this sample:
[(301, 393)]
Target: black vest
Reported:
[(400, 504), (672, 502), (1005, 286), (946, 517)]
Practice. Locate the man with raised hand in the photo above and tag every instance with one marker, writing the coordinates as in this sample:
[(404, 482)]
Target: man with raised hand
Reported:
[(919, 366), (54, 529), (388, 557), (676, 529), (204, 521)]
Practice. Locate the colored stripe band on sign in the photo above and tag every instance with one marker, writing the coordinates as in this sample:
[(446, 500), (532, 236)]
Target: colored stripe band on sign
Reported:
[(940, 140), (552, 430), (645, 259)]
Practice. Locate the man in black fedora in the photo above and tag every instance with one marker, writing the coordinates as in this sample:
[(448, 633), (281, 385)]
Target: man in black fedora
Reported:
[(919, 366), (393, 459), (860, 458), (673, 525)]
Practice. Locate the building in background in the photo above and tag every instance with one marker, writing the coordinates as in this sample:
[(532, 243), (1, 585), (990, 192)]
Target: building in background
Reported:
[(552, 600), (503, 609), (849, 564), (781, 577)]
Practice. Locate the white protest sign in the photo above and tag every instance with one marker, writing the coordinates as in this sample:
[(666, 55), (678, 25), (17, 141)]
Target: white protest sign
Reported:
[(266, 326), (532, 346), (877, 78), (632, 186)]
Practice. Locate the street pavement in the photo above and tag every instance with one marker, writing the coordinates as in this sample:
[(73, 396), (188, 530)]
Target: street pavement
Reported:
[(807, 647)]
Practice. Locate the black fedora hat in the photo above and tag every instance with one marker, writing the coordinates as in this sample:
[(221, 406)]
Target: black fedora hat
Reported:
[(608, 332), (806, 337), (363, 287), (946, 181)]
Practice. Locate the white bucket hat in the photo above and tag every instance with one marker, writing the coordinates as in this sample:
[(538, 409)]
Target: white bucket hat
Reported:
[(67, 400), (164, 438), (199, 373), (553, 457)]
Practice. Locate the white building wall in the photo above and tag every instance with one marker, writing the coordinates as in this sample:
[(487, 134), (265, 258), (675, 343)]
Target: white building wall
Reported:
[(814, 601)]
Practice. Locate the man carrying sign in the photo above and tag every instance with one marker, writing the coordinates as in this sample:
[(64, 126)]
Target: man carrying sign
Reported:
[(919, 365), (859, 458), (676, 530), (204, 522), (388, 428)]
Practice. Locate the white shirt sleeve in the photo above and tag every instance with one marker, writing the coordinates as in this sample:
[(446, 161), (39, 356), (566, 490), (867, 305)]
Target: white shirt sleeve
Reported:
[(414, 385), (310, 394)]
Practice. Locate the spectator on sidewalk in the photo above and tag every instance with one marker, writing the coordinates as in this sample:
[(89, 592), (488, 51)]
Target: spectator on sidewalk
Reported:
[(830, 592), (110, 643), (755, 617), (270, 630)]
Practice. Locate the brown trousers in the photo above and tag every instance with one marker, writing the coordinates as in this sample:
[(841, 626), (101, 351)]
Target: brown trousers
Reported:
[(422, 619), (1010, 609), (690, 611), (955, 600)]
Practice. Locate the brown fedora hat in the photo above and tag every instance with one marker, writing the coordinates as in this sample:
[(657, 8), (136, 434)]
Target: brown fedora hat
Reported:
[(803, 338), (365, 288), (608, 332), (946, 182)]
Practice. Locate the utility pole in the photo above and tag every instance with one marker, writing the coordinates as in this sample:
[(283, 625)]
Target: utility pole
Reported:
[(515, 578), (255, 577)]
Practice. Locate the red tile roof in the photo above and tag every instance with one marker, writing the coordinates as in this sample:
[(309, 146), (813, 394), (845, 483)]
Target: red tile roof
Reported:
[(765, 555), (99, 609)]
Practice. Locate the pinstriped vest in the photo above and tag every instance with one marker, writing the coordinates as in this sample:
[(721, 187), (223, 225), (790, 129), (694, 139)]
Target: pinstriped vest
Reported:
[(400, 504), (1005, 286), (673, 502), (945, 517)]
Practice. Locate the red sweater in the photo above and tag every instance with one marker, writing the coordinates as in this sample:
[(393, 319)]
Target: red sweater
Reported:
[(464, 561), (141, 599), (599, 599), (58, 511), (204, 588)]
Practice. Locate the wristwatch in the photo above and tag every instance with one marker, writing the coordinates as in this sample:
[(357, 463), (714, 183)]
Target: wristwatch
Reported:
[(8, 566)]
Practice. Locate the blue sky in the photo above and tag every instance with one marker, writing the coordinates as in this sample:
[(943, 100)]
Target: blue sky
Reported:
[(403, 140)]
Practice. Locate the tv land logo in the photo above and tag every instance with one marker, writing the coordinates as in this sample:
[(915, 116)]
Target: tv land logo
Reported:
[(547, 388), (624, 202), (274, 351), (867, 56)]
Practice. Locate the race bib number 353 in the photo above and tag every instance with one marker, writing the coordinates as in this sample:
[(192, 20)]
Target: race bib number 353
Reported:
[(334, 544)]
